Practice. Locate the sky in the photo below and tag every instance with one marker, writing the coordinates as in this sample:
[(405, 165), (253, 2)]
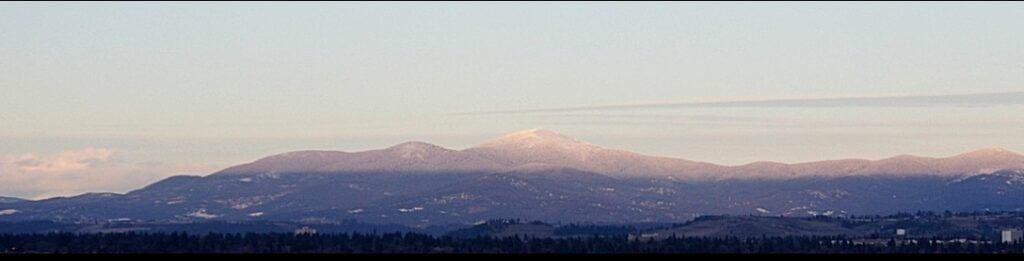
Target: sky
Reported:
[(113, 96)]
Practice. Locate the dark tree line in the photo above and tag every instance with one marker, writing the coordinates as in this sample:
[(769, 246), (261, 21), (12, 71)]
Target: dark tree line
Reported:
[(420, 243)]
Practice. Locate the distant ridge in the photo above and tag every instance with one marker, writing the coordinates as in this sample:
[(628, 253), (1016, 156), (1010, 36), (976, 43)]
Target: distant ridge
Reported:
[(543, 175), (11, 200), (535, 148)]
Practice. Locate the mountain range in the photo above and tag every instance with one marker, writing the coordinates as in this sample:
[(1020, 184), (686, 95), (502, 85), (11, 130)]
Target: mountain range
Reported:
[(540, 149), (543, 175)]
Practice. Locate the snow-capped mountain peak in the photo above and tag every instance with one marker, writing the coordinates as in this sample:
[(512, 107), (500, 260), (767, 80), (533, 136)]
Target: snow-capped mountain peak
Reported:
[(416, 149), (535, 138), (549, 148), (416, 145), (989, 152)]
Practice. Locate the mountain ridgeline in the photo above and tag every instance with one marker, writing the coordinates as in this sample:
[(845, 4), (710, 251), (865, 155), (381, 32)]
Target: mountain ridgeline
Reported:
[(543, 175)]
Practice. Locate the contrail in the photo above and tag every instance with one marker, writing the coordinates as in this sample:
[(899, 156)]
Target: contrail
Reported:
[(970, 100)]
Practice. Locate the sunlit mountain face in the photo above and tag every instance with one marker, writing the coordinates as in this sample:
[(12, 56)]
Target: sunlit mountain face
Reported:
[(539, 148), (543, 175)]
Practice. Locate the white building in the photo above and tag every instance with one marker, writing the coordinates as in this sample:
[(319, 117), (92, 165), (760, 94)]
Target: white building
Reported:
[(1011, 236), (305, 231), (901, 232)]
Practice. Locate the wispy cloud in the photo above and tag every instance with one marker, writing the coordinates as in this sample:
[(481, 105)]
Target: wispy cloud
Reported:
[(969, 100), (77, 171), (759, 122)]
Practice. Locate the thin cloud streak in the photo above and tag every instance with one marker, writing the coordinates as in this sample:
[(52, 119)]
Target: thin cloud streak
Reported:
[(967, 100), (702, 121)]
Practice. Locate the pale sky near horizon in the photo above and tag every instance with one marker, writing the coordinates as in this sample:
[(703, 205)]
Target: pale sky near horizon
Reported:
[(112, 96)]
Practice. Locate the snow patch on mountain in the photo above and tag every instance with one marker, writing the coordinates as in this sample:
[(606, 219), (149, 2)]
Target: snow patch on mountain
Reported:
[(356, 187), (659, 190), (201, 213), (533, 138), (413, 209)]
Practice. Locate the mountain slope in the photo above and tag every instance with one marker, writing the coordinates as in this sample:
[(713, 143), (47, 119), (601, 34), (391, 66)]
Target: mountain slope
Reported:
[(409, 156), (543, 175), (537, 148), (11, 200), (978, 161), (549, 194)]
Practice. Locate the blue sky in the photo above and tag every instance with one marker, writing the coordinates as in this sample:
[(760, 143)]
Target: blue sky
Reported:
[(192, 87)]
